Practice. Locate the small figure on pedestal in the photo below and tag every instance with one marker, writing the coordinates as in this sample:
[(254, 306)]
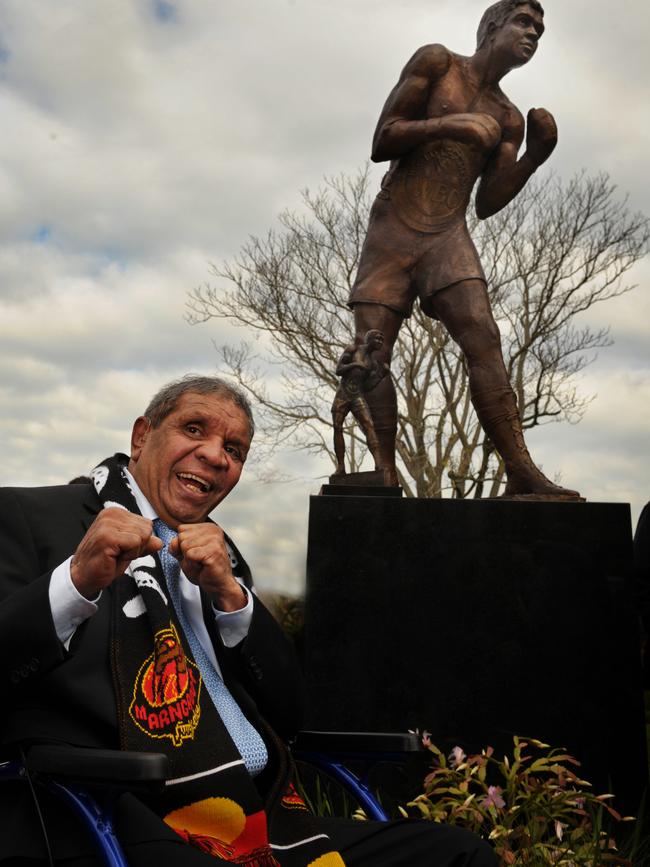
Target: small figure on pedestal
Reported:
[(359, 373)]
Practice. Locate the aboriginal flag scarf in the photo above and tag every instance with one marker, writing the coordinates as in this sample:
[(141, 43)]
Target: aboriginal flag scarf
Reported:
[(210, 799)]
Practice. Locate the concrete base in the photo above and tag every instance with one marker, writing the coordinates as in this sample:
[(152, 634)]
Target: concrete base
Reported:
[(476, 620)]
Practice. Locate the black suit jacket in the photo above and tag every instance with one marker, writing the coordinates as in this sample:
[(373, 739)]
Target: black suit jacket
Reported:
[(51, 694)]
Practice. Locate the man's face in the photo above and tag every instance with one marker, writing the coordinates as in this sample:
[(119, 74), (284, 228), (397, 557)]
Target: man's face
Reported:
[(519, 35), (193, 459)]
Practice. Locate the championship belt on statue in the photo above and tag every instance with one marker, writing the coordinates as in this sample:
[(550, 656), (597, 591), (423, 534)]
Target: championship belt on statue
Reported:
[(431, 186)]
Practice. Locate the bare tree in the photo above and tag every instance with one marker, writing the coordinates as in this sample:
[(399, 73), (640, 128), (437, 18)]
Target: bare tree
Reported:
[(554, 252)]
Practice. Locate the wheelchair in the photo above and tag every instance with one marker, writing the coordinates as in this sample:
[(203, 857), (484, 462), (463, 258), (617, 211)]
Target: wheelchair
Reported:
[(89, 781)]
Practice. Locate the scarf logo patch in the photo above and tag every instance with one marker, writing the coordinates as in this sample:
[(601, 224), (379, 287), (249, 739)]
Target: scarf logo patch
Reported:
[(291, 800), (166, 691)]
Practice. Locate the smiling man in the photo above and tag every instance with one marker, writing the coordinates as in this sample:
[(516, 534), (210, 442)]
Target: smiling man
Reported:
[(127, 621), (445, 125)]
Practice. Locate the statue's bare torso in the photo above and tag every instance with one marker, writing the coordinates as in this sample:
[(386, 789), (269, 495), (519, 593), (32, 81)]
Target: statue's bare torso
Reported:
[(431, 185)]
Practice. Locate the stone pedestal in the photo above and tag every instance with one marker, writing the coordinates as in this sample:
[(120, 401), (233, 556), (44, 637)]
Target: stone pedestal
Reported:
[(476, 620)]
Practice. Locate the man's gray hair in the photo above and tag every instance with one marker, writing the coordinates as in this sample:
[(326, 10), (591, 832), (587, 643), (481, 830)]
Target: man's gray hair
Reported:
[(498, 13), (166, 399)]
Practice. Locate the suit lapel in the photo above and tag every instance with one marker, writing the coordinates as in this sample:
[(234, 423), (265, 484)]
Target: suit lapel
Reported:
[(91, 507)]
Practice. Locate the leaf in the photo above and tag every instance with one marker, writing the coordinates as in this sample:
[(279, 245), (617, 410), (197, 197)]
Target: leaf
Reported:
[(539, 744)]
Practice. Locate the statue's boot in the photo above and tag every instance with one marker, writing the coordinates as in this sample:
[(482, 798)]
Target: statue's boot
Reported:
[(385, 455), (498, 413)]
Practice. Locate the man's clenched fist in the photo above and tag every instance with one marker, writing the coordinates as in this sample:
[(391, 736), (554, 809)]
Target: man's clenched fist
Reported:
[(201, 551), (114, 539)]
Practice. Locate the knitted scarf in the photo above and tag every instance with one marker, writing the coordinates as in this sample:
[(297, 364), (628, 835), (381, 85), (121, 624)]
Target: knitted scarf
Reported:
[(162, 706)]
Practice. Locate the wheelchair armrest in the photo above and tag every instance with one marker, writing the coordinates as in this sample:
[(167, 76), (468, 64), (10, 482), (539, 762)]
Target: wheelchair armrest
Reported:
[(366, 743), (114, 768)]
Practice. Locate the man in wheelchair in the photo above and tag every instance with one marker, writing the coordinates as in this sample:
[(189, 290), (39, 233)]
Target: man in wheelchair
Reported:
[(128, 621)]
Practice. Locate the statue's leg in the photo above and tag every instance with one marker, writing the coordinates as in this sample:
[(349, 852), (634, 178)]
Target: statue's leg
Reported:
[(361, 411), (340, 410), (382, 399), (464, 309)]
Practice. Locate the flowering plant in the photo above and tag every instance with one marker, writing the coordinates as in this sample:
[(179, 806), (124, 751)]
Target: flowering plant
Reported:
[(533, 807)]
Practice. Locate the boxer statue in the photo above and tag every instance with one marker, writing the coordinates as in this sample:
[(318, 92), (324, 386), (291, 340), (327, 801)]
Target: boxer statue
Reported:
[(445, 125)]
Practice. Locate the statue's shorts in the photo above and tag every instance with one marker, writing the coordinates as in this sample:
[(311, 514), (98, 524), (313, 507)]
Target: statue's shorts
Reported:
[(399, 264)]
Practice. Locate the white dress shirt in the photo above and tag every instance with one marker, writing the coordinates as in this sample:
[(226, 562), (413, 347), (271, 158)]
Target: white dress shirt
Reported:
[(70, 608)]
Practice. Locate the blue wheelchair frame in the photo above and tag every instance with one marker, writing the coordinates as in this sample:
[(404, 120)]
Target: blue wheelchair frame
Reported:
[(90, 780)]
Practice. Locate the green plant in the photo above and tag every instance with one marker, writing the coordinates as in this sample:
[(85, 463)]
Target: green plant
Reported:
[(533, 806)]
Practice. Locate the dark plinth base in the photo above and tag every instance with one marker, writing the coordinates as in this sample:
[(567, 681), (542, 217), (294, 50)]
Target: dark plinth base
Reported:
[(366, 479), (358, 490), (476, 620)]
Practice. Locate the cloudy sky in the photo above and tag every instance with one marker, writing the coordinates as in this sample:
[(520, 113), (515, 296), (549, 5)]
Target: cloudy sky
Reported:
[(143, 139)]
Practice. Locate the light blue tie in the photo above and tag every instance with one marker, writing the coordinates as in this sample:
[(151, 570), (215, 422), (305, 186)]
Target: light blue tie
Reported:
[(246, 737)]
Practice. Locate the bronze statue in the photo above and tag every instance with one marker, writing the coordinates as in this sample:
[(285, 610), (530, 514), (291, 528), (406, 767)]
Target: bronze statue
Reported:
[(359, 373), (446, 124)]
